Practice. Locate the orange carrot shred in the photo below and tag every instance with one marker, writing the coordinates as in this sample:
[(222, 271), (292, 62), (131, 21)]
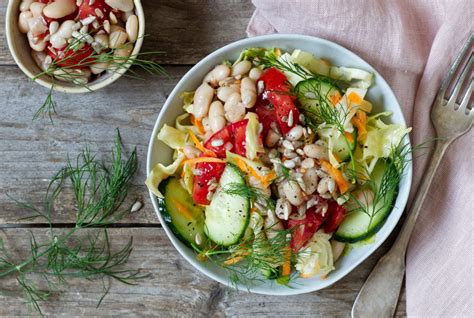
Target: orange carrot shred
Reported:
[(198, 124), (199, 145), (336, 174)]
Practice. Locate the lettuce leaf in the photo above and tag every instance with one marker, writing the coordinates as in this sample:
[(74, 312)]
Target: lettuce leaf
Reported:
[(316, 258), (173, 137), (160, 173)]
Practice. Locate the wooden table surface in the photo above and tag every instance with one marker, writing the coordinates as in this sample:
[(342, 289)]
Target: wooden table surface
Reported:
[(31, 152)]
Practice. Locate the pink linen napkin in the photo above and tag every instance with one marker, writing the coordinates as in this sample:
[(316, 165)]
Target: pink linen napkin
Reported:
[(412, 44)]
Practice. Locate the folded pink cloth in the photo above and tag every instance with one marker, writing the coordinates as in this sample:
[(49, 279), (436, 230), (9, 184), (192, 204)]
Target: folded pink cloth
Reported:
[(412, 44)]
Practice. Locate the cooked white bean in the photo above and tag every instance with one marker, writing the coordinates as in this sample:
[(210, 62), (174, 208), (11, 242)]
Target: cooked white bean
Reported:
[(323, 185), (36, 8), (216, 116), (293, 192), (37, 26), (66, 28), (113, 18), (290, 164), (255, 73), (102, 40), (241, 68), (59, 9), (125, 15), (122, 5), (23, 21), (77, 76), (217, 74), (191, 152), (307, 163), (337, 249), (35, 43), (283, 209), (224, 92), (272, 225), (42, 59), (315, 151), (132, 28), (117, 37), (202, 100), (310, 179), (248, 90), (53, 27), (271, 139), (98, 68), (295, 133), (122, 53), (234, 109), (25, 5), (207, 127), (331, 185)]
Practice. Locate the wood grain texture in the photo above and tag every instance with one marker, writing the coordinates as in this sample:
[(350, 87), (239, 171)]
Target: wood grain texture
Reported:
[(175, 289), (184, 30)]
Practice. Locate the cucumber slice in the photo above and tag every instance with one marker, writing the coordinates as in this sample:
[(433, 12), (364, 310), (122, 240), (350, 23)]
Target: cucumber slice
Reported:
[(186, 219), (227, 215), (313, 91), (343, 146), (358, 226)]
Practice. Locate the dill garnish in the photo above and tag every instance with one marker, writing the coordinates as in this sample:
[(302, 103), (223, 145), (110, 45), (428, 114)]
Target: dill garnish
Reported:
[(99, 191), (253, 194)]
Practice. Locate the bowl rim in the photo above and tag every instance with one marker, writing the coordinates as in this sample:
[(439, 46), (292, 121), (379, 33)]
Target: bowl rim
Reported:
[(10, 20), (402, 194)]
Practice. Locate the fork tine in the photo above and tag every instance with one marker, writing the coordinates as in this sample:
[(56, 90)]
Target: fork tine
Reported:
[(460, 81), (449, 76), (465, 100)]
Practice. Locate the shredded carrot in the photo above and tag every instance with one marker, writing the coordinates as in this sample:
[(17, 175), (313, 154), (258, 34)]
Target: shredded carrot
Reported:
[(354, 98), (198, 124), (203, 159), (264, 180), (349, 137), (233, 260), (286, 267), (335, 98), (199, 145), (360, 121), (336, 174), (183, 210), (336, 157)]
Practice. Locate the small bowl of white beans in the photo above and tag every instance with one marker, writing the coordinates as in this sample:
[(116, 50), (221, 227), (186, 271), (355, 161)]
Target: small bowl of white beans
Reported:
[(74, 46)]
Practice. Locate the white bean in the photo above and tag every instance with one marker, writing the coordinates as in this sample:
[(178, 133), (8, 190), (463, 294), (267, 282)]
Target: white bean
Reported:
[(202, 100), (25, 5), (122, 5), (113, 18), (125, 15), (293, 192), (23, 21), (272, 225), (59, 9), (53, 27), (66, 28), (216, 116), (36, 8), (310, 179), (255, 73), (271, 138), (248, 90), (295, 133), (283, 209), (102, 40), (36, 26), (98, 68), (315, 151), (241, 68), (217, 74), (307, 163), (77, 76), (123, 53), (35, 43), (224, 92), (42, 59), (117, 37), (234, 109), (323, 185), (132, 28), (206, 125)]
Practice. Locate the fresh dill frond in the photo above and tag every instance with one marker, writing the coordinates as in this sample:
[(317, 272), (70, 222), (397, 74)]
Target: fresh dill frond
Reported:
[(251, 193), (99, 192)]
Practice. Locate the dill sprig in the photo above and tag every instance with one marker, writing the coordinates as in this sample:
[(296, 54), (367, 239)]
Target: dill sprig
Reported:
[(99, 191), (64, 69), (253, 194), (377, 198)]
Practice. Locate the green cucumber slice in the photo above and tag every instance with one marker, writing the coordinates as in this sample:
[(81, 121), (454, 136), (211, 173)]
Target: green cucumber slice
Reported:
[(227, 215), (358, 225), (312, 92), (185, 218)]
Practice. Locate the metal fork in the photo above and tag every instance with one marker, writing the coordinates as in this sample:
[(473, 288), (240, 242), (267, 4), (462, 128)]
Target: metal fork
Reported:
[(379, 295)]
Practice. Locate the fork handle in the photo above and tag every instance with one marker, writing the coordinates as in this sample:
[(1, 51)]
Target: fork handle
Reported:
[(379, 295)]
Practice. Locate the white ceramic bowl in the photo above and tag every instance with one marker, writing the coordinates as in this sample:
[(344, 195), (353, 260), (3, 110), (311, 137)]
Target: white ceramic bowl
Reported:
[(21, 52), (379, 94)]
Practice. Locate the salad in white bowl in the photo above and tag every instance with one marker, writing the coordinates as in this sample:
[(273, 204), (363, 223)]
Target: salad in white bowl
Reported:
[(279, 161)]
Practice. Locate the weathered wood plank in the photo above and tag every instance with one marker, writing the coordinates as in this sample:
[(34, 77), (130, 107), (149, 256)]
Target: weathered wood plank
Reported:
[(184, 30), (175, 289), (33, 151)]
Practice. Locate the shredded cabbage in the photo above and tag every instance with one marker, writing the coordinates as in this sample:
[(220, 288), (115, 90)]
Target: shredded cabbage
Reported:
[(253, 143), (188, 98), (173, 137), (382, 138), (182, 127), (188, 178), (160, 173), (316, 258), (310, 62), (360, 78)]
